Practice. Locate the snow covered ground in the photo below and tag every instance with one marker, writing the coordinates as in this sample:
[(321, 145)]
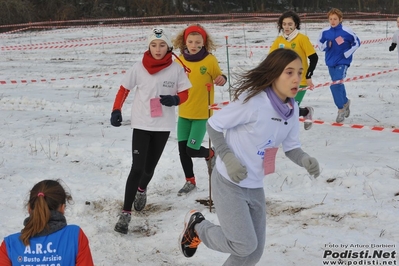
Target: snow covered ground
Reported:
[(55, 107)]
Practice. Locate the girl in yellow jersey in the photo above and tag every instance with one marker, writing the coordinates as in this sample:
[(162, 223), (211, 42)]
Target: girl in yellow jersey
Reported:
[(289, 25), (195, 44)]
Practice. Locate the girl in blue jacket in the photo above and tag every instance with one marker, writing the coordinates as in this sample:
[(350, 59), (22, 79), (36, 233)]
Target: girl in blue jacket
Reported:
[(339, 42)]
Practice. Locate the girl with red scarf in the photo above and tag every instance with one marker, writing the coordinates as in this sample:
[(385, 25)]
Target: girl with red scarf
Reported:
[(159, 85)]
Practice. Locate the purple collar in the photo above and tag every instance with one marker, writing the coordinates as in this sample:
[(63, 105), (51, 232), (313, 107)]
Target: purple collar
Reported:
[(195, 57), (284, 109)]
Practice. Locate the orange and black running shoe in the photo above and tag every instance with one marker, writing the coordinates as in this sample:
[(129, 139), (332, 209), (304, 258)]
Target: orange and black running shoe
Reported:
[(189, 240)]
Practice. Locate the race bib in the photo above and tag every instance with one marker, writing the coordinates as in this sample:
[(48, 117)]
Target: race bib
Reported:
[(269, 160), (156, 107), (339, 40)]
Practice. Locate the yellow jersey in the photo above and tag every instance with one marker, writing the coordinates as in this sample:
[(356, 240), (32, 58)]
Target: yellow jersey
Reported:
[(202, 73), (301, 45)]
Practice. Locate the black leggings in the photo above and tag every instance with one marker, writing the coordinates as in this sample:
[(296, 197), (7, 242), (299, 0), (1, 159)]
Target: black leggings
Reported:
[(186, 153), (303, 111), (147, 148)]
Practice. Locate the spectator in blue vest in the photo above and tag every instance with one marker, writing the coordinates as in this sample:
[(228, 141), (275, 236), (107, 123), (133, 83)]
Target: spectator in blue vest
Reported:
[(46, 235)]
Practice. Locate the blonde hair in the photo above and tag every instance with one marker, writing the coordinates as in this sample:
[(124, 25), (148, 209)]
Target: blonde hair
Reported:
[(179, 42), (335, 11)]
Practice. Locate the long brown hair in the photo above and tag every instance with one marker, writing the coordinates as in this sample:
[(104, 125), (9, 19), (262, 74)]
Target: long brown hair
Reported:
[(179, 42), (259, 78), (45, 196)]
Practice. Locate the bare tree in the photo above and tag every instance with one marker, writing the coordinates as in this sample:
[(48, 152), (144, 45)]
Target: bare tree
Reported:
[(16, 11)]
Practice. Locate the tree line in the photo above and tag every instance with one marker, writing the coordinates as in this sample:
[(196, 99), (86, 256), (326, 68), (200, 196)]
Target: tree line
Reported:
[(24, 11)]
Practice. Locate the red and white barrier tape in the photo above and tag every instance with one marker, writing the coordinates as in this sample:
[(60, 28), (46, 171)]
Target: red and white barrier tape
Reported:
[(53, 29), (320, 15), (16, 47), (315, 45), (217, 106), (68, 45), (354, 126), (64, 45), (25, 81), (350, 79)]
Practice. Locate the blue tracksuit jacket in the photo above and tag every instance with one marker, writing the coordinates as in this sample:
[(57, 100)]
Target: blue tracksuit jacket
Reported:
[(338, 54)]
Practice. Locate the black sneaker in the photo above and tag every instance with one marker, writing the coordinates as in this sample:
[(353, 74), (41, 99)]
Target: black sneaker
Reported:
[(123, 223), (189, 240), (140, 200)]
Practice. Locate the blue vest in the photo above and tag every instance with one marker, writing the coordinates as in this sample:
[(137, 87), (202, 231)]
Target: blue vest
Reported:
[(57, 249)]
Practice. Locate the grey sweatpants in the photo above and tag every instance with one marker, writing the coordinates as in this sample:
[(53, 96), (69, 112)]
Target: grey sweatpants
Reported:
[(242, 217)]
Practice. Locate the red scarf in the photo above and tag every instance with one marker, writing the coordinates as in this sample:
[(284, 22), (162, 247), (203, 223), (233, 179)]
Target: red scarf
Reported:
[(153, 65)]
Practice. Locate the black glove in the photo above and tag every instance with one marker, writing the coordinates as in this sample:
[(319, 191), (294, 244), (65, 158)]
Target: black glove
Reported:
[(169, 100), (116, 118), (392, 47)]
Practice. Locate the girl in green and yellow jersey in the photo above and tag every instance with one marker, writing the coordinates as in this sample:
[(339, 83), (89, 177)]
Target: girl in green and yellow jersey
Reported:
[(195, 44)]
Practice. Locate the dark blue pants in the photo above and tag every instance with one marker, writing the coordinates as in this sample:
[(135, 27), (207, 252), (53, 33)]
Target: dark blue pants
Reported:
[(338, 90)]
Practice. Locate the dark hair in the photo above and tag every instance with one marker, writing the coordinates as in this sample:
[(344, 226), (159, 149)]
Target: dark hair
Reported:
[(259, 78), (289, 14), (45, 196)]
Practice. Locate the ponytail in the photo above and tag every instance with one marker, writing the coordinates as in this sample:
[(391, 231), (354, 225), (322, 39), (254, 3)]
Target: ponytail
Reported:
[(45, 196)]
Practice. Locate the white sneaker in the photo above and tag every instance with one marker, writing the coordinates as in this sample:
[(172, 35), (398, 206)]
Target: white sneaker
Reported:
[(308, 118), (346, 108), (341, 115)]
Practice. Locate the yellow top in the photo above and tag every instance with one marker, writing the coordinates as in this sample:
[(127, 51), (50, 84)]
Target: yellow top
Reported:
[(202, 72), (301, 45)]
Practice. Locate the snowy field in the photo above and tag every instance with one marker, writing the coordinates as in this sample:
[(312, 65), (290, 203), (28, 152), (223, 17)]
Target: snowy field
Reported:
[(57, 89)]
